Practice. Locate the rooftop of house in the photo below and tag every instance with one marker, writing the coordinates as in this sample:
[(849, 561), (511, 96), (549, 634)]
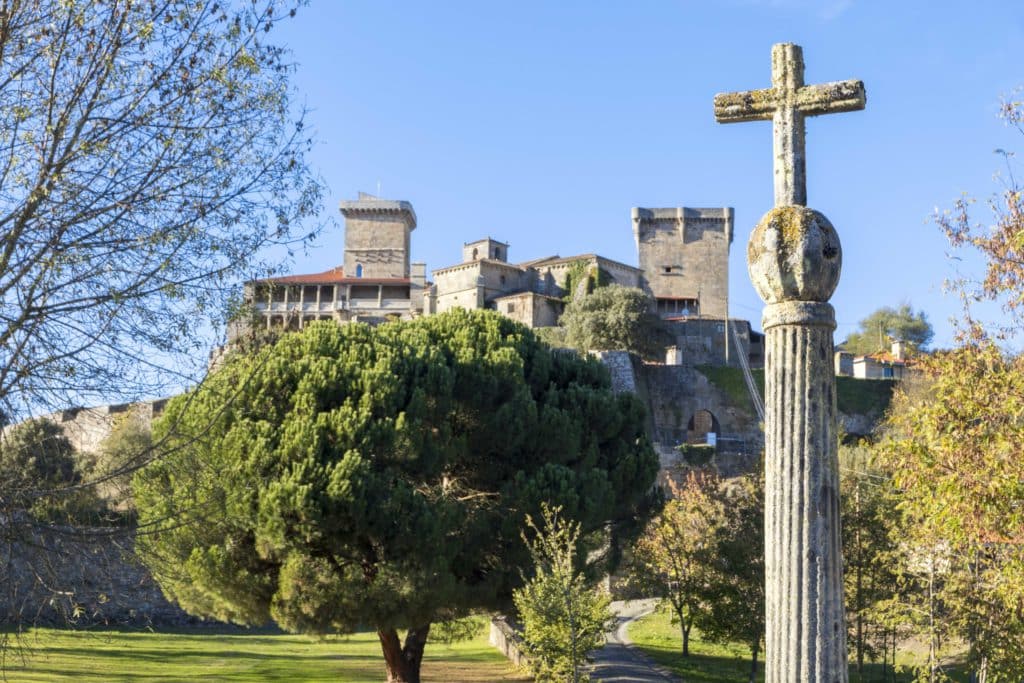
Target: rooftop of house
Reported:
[(884, 357), (334, 276), (556, 259), (525, 292), (478, 262)]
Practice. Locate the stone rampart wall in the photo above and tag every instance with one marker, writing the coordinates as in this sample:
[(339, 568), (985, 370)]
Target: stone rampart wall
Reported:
[(58, 576)]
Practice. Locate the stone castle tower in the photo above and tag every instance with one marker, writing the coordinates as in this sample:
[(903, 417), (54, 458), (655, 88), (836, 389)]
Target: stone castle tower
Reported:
[(377, 233), (684, 254)]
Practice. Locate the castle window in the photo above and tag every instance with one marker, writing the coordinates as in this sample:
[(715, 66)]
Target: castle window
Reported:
[(476, 253), (502, 279), (668, 269), (359, 270), (511, 307)]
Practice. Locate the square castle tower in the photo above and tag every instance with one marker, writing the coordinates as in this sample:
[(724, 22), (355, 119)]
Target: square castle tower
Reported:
[(684, 254), (377, 236)]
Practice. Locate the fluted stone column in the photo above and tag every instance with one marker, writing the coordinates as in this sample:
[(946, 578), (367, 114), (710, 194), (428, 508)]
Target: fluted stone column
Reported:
[(794, 259)]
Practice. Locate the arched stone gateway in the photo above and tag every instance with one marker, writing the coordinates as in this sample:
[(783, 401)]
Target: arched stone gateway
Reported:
[(701, 423)]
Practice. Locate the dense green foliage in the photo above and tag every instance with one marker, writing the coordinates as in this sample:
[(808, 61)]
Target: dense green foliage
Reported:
[(581, 279), (704, 555), (614, 318), (40, 475), (128, 446), (350, 475), (879, 329), (737, 608), (675, 557), (953, 449), (864, 396), (871, 558), (563, 617)]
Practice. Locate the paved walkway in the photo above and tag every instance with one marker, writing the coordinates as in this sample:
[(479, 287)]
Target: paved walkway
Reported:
[(618, 661)]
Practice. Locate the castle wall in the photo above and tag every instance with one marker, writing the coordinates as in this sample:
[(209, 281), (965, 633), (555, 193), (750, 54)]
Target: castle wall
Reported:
[(620, 274), (702, 340), (377, 237), (676, 394), (475, 284), (684, 253), (380, 244), (530, 309), (551, 275), (55, 577), (87, 428)]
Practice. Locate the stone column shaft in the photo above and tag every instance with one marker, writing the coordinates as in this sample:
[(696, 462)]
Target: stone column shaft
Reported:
[(790, 161), (806, 633)]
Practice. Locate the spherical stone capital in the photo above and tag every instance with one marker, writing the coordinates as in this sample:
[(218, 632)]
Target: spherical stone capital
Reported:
[(794, 255)]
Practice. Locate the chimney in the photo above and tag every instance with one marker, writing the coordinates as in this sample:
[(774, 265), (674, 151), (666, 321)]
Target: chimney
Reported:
[(899, 349)]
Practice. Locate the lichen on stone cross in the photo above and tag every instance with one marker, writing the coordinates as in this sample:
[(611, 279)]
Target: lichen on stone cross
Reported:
[(786, 103)]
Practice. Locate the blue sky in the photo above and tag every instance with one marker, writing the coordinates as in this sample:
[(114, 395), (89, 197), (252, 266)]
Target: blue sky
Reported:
[(542, 124)]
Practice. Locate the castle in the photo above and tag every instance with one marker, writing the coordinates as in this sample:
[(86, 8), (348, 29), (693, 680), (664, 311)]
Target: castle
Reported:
[(683, 266)]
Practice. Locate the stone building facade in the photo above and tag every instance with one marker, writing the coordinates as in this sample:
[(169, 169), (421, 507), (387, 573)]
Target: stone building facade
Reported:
[(684, 255), (532, 292), (375, 282)]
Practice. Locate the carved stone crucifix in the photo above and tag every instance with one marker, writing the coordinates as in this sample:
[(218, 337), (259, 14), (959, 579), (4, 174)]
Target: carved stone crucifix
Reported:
[(794, 258), (786, 103)]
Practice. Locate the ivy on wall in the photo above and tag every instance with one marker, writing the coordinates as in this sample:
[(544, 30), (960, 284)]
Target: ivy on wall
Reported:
[(582, 277)]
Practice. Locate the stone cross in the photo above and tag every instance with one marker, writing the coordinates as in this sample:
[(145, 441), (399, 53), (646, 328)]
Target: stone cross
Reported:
[(786, 103), (794, 259)]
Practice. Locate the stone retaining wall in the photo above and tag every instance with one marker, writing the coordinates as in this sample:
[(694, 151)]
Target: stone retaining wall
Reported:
[(507, 640), (59, 576)]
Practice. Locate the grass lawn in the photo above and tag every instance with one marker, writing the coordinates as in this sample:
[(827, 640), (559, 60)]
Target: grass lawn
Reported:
[(707, 663), (108, 656), (712, 663)]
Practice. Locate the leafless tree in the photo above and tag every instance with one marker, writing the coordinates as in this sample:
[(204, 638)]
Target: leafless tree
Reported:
[(148, 154), (151, 158)]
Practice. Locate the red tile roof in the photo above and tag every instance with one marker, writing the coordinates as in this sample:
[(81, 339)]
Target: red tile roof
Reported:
[(886, 357), (334, 276)]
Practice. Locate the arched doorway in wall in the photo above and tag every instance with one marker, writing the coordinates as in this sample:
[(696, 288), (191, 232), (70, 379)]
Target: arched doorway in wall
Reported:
[(702, 423)]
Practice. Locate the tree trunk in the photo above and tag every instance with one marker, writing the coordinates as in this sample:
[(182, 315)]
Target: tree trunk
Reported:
[(754, 648), (685, 627), (403, 662)]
